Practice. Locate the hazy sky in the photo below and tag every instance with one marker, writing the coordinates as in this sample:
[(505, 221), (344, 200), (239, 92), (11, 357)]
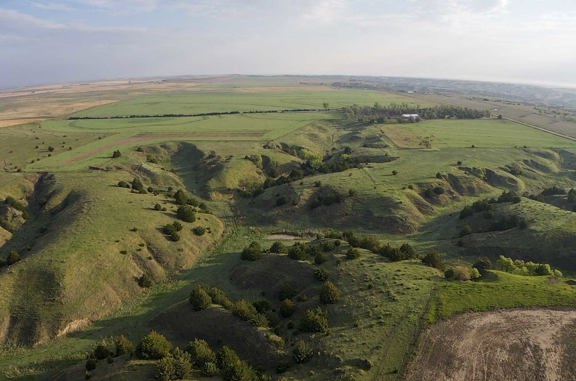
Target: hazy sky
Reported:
[(72, 40)]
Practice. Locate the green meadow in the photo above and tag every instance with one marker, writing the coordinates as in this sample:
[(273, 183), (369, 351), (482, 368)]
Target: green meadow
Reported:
[(88, 242)]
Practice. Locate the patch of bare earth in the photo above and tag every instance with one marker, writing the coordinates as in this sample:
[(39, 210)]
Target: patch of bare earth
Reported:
[(495, 346)]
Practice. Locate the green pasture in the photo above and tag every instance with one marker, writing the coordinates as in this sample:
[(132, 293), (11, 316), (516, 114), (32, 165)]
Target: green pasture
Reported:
[(242, 100), (506, 291), (468, 133)]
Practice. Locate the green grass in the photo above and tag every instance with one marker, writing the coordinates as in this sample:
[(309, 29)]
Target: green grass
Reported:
[(239, 100), (480, 133), (508, 291)]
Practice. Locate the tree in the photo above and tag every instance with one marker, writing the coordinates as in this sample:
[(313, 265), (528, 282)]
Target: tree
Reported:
[(483, 264), (233, 368), (123, 345), (116, 154), (325, 105), (186, 213), (154, 346), (199, 299), (180, 197), (329, 293), (433, 260), (278, 247), (138, 186), (252, 252), (200, 353)]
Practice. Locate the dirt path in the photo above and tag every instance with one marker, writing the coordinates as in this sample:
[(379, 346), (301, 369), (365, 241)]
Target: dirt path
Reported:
[(506, 345)]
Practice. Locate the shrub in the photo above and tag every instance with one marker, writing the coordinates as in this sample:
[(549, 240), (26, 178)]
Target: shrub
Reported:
[(244, 310), (321, 275), (153, 346), (353, 253), (297, 252), (123, 345), (329, 293), (433, 260), (123, 184), (199, 230), (302, 352), (116, 154), (91, 364), (199, 299), (233, 368), (180, 197), (219, 297), (408, 251), (165, 369), (186, 213), (13, 257), (200, 353), (509, 196), (462, 273), (286, 291), (287, 308), (182, 364), (320, 258), (278, 247), (252, 253), (145, 281), (138, 186), (483, 264), (158, 207), (314, 320), (101, 352)]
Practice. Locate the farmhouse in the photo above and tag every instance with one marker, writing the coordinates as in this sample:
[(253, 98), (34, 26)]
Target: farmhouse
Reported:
[(411, 117)]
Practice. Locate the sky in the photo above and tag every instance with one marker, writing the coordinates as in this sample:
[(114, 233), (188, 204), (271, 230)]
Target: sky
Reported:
[(519, 41)]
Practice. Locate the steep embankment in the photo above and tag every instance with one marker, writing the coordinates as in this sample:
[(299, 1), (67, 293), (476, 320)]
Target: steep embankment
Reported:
[(86, 248)]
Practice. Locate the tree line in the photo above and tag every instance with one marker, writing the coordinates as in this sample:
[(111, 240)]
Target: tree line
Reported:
[(393, 113)]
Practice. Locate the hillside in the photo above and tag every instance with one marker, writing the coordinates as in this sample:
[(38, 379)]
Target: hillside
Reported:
[(111, 216)]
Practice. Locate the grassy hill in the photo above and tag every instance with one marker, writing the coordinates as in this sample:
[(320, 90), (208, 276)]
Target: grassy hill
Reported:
[(100, 256)]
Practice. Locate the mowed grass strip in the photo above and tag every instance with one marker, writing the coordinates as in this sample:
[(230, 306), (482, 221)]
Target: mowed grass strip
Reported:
[(467, 133)]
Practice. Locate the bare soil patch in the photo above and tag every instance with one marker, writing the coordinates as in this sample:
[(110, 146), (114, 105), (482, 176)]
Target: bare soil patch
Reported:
[(504, 345)]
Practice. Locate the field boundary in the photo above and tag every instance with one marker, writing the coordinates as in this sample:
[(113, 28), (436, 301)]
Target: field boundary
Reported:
[(540, 128)]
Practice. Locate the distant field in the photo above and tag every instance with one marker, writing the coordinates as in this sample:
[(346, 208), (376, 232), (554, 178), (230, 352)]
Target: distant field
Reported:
[(194, 103), (465, 133)]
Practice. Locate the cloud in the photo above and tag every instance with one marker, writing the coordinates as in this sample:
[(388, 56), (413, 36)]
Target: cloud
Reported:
[(53, 6), (10, 19)]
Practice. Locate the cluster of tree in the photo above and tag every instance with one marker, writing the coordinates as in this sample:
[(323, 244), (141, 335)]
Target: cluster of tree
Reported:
[(314, 250), (462, 273), (518, 266), (172, 231), (485, 205), (373, 244), (326, 197), (393, 113)]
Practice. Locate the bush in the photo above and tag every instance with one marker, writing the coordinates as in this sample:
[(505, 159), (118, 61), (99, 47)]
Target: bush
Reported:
[(219, 297), (180, 197), (353, 253), (186, 213), (314, 320), (252, 253), (138, 186), (101, 352), (287, 291), (408, 251), (462, 273), (158, 207), (433, 260), (320, 258), (116, 154), (154, 346), (91, 364), (199, 230), (278, 247), (199, 299), (165, 369), (329, 293), (244, 310), (145, 281), (302, 352), (182, 364), (200, 353), (321, 275), (123, 345), (287, 308), (123, 184), (13, 257), (233, 368), (483, 264)]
